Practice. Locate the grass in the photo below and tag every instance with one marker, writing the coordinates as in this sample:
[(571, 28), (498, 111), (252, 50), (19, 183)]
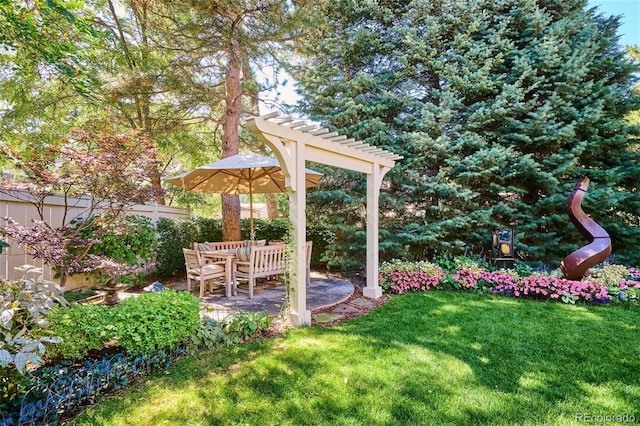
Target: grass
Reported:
[(424, 358)]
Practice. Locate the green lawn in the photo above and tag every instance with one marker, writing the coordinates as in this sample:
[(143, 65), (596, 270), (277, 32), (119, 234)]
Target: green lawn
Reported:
[(425, 358)]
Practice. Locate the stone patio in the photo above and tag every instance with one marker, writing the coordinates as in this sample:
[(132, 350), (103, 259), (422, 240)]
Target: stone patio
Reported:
[(322, 292)]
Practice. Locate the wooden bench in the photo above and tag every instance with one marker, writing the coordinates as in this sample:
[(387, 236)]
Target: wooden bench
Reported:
[(263, 261), (218, 245)]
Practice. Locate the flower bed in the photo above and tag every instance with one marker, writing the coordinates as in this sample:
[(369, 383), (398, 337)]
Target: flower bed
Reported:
[(606, 284), (399, 277)]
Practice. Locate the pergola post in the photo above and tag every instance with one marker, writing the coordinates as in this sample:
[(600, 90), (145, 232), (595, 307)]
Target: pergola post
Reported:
[(299, 314), (374, 183)]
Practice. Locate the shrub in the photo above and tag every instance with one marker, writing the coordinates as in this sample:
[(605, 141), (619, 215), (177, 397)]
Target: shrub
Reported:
[(544, 286), (24, 306), (450, 264), (132, 244), (476, 278), (173, 236), (82, 328), (156, 320), (209, 334), (608, 274), (232, 329), (627, 289), (399, 276), (243, 326), (467, 277)]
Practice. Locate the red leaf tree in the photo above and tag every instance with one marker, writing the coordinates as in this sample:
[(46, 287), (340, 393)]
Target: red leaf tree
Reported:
[(109, 171)]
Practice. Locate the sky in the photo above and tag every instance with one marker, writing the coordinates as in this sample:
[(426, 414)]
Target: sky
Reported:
[(629, 32)]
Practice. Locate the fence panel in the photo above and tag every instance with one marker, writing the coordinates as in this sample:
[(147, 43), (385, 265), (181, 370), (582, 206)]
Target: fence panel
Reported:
[(13, 204)]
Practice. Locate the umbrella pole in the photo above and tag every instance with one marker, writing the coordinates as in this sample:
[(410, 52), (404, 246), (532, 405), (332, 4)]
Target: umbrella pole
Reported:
[(252, 234)]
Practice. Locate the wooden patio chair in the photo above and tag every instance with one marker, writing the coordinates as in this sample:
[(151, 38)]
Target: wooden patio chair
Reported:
[(264, 261), (200, 271)]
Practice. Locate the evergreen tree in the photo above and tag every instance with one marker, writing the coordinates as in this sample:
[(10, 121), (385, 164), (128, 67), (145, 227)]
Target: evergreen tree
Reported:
[(497, 107)]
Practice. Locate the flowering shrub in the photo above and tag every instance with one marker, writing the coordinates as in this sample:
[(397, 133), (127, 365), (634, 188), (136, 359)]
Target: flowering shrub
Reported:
[(500, 277), (467, 277), (605, 283), (555, 288), (399, 277), (474, 277)]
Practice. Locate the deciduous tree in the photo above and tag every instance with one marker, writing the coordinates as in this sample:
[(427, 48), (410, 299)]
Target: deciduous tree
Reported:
[(110, 171)]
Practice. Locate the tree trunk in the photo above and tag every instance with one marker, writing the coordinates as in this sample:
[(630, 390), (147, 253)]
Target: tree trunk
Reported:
[(272, 206), (230, 123)]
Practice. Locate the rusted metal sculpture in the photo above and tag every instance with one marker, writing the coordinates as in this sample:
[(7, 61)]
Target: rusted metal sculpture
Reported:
[(578, 263)]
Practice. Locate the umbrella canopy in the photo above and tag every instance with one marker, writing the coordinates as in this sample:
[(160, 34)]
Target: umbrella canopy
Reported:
[(246, 173)]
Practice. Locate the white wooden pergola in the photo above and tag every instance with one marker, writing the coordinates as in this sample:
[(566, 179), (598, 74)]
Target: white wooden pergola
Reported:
[(294, 142)]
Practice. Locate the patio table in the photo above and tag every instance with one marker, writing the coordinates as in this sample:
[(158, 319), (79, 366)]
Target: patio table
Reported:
[(228, 256)]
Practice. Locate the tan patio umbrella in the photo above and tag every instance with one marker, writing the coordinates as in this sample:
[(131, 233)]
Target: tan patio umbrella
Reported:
[(246, 173)]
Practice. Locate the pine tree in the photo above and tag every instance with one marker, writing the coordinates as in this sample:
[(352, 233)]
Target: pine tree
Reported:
[(497, 107)]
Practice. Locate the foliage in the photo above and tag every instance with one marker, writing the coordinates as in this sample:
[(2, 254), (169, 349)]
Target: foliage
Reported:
[(3, 244), (78, 295), (110, 168), (155, 320), (64, 388), (232, 329), (497, 108), (400, 276), (466, 274), (172, 238), (50, 391), (210, 334), (139, 325), (627, 289), (468, 277), (30, 36), (82, 328), (24, 306), (608, 274), (243, 326), (131, 243), (451, 263)]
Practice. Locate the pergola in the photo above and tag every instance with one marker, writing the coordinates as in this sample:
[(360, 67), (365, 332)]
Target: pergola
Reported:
[(294, 142)]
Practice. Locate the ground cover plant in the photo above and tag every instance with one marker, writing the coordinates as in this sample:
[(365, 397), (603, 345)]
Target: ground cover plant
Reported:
[(423, 358)]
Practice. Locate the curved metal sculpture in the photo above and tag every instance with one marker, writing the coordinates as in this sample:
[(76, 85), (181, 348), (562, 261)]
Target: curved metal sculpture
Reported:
[(578, 263)]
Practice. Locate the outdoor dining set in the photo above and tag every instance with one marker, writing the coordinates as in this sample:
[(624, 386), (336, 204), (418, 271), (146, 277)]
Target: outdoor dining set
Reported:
[(234, 261)]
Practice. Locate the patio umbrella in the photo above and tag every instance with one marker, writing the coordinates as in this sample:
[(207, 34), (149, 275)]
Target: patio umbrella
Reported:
[(246, 173)]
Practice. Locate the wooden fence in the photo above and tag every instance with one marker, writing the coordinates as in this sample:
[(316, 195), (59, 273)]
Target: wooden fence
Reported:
[(12, 205)]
